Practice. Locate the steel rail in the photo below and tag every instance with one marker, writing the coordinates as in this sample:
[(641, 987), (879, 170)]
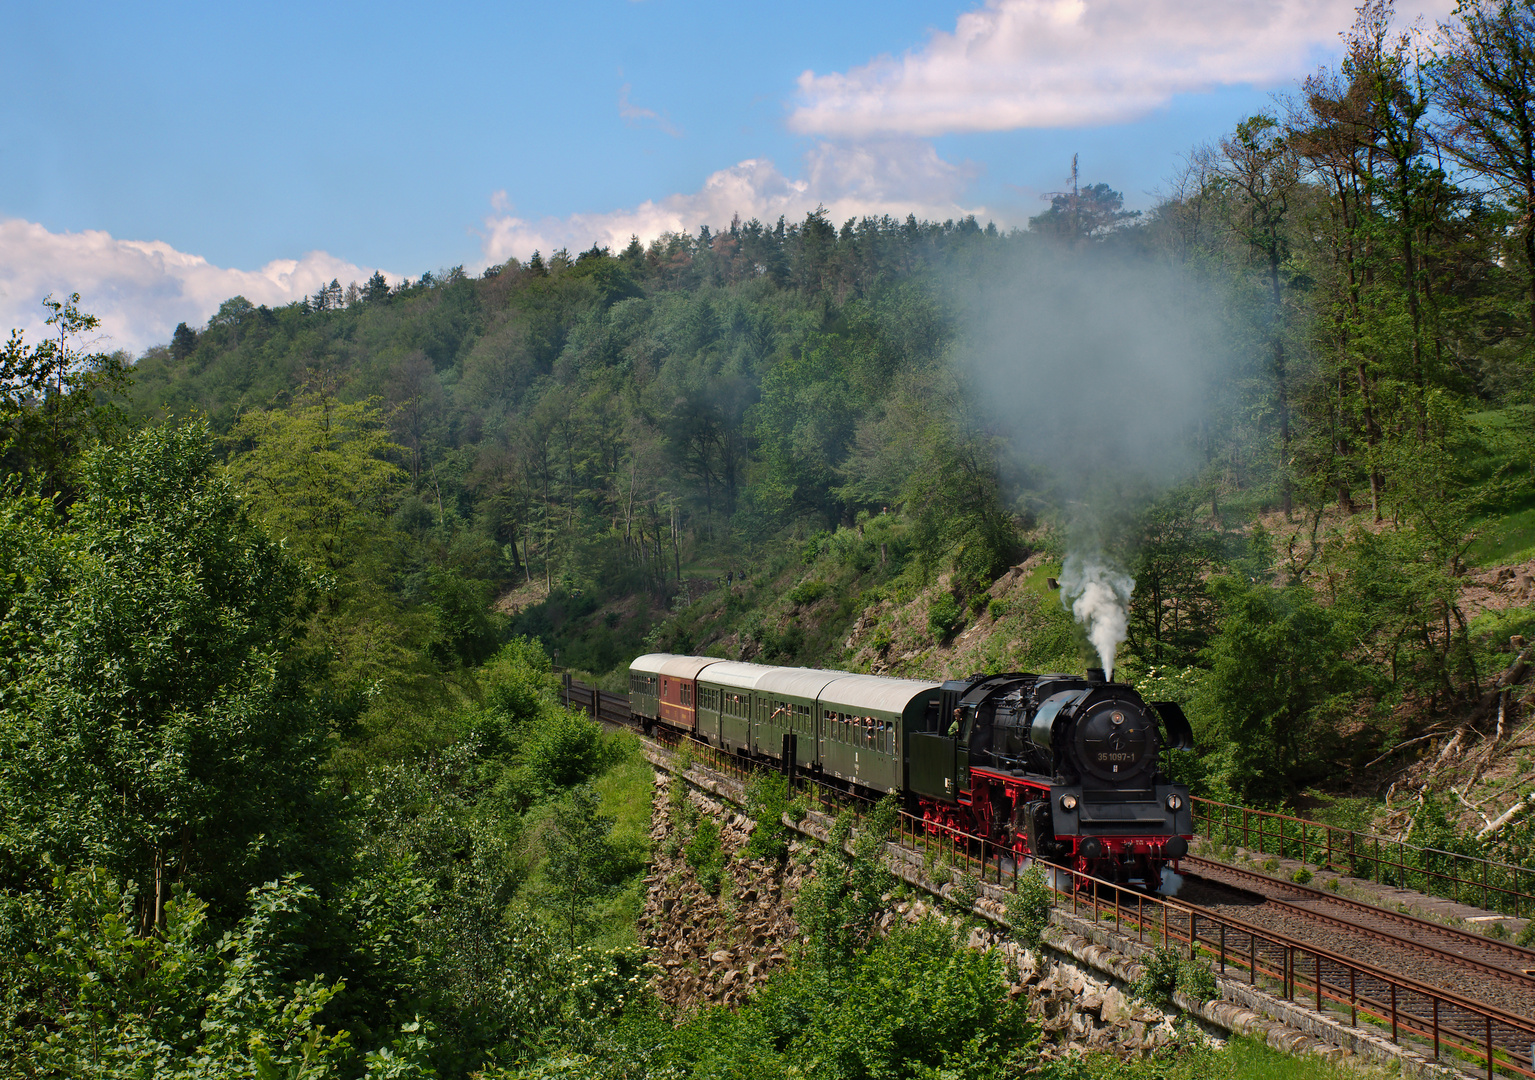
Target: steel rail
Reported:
[(1406, 945), (1522, 956)]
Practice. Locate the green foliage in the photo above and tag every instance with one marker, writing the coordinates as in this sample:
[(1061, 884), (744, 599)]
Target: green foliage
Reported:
[(1433, 827), (839, 907), (517, 687), (563, 750), (944, 616), (97, 999), (767, 800), (963, 894), (581, 865), (1277, 668), (55, 399), (1196, 1058), (1159, 975), (153, 721), (917, 1006), (1197, 980), (1028, 907), (318, 474), (953, 497), (1165, 969), (808, 592), (706, 855), (1173, 615)]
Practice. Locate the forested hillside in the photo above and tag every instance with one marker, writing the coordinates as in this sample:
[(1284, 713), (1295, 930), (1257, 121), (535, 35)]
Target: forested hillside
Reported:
[(281, 600)]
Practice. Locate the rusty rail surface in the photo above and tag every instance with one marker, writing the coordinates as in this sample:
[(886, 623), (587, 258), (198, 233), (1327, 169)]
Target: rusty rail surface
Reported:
[(1521, 960)]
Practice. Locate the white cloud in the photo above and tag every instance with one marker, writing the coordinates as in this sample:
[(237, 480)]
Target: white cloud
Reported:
[(634, 114), (140, 289), (1066, 63), (894, 177)]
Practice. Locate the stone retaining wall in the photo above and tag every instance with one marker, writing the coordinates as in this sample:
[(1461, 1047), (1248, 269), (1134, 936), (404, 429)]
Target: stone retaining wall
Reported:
[(714, 949)]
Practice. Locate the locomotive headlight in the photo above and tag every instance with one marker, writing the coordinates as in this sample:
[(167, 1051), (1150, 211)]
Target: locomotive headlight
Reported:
[(1068, 802), (1175, 803)]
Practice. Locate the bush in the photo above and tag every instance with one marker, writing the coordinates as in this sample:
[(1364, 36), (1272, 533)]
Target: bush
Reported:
[(1028, 909), (808, 592), (918, 1004), (1197, 981), (1279, 674), (564, 749), (517, 682), (705, 855), (1159, 977), (943, 617), (996, 609), (191, 1001), (767, 800), (839, 907), (1166, 970), (964, 893)]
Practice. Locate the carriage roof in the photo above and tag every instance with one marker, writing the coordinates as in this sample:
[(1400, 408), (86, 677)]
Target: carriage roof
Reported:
[(734, 674), (650, 663), (687, 667), (795, 682), (875, 693)]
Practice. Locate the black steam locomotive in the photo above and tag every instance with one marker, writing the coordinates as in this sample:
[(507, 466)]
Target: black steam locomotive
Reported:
[(1057, 767)]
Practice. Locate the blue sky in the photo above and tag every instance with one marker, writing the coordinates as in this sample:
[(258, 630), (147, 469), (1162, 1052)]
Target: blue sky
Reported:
[(162, 157)]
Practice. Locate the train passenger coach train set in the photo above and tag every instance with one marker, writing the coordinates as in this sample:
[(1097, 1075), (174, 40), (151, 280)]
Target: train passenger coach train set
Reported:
[(1058, 767)]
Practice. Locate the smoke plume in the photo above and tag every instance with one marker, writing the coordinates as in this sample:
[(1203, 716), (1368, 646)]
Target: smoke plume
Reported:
[(1098, 596), (1097, 368)]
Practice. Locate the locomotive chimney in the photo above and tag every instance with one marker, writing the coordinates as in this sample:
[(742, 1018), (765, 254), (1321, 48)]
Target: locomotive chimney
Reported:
[(1095, 674)]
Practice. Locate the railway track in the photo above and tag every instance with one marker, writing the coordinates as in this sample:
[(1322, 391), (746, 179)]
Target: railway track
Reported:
[(1490, 954), (1471, 966), (1449, 991)]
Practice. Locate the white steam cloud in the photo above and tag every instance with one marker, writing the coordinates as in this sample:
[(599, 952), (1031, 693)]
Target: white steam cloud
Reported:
[(1097, 368), (1098, 596)]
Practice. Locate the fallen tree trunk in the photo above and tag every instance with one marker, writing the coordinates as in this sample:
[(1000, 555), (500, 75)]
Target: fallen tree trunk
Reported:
[(1520, 805)]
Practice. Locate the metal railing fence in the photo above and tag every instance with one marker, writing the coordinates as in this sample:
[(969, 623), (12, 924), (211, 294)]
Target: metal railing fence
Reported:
[(1487, 883)]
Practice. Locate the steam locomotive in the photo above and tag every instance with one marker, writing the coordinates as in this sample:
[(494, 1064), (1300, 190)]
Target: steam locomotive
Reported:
[(1057, 767)]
